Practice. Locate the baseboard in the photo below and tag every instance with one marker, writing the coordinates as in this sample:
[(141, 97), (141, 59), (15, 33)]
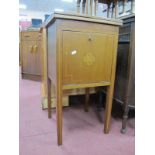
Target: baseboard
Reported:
[(31, 77), (65, 101)]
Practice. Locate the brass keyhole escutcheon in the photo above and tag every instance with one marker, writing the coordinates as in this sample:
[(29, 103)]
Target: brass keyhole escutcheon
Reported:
[(90, 38), (35, 48)]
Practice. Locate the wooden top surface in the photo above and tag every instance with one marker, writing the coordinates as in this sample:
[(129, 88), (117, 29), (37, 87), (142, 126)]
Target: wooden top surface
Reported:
[(127, 16), (81, 17), (31, 30)]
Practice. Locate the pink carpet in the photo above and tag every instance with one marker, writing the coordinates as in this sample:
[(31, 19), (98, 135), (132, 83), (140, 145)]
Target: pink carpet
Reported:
[(82, 132)]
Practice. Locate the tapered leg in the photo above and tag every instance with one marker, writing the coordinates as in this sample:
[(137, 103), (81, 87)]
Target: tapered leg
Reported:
[(124, 5), (91, 7), (125, 117), (86, 100), (59, 115), (116, 8), (78, 6), (49, 98), (109, 99), (132, 6), (110, 90), (95, 7), (108, 11), (112, 13), (83, 6), (86, 6)]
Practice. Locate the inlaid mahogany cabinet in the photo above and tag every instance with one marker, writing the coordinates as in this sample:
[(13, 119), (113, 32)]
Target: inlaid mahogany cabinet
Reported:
[(81, 53), (30, 55)]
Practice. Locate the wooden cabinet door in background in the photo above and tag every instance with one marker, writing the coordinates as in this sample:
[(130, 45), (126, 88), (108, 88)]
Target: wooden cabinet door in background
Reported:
[(125, 72), (31, 55)]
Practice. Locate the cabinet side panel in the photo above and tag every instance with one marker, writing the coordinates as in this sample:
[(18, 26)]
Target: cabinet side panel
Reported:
[(30, 53), (51, 51), (121, 71)]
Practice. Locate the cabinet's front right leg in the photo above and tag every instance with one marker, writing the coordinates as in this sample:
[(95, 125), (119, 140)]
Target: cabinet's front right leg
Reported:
[(109, 100), (59, 114)]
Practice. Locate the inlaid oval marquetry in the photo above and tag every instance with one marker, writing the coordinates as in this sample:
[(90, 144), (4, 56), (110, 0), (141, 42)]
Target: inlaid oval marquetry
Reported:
[(89, 59)]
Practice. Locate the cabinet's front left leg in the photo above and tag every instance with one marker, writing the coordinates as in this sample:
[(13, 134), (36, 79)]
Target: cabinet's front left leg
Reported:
[(109, 99), (49, 98), (110, 90), (59, 114)]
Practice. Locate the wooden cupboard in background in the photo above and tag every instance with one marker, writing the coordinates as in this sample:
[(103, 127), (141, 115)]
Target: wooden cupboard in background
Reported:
[(125, 58), (30, 54), (125, 71)]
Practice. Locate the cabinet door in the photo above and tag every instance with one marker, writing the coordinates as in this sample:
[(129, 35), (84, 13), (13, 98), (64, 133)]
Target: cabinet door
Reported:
[(87, 57), (31, 57), (37, 58)]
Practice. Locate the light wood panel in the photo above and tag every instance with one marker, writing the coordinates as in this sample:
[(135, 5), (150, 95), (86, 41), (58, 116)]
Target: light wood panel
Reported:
[(85, 58)]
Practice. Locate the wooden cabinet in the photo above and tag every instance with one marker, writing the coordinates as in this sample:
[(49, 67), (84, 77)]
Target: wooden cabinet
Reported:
[(125, 72), (81, 53), (31, 54)]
